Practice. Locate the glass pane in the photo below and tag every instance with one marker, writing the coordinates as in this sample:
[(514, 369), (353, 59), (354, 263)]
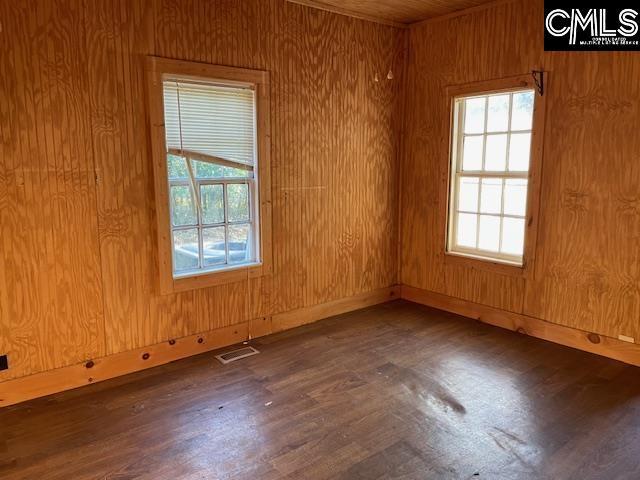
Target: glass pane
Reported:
[(212, 198), (522, 111), (210, 170), (474, 115), (515, 197), (177, 167), (467, 228), (238, 202), (186, 250), (489, 236), (498, 117), (213, 250), (183, 210), (468, 194), (496, 156), (491, 195), (238, 243), (472, 153), (513, 235), (519, 152)]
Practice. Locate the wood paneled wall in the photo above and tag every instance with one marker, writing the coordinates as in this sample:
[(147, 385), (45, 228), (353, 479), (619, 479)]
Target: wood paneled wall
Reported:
[(77, 252), (587, 269)]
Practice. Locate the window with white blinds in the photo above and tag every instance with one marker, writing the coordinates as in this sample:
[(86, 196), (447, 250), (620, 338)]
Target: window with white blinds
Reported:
[(211, 163), (210, 119)]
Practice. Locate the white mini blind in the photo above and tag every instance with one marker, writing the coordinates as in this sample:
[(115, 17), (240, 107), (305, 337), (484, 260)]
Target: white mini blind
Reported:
[(209, 119)]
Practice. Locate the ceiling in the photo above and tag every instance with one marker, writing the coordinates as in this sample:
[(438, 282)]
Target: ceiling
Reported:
[(398, 12)]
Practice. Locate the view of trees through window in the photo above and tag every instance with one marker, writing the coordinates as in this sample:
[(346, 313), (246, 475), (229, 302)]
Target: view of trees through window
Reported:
[(210, 216), (210, 135)]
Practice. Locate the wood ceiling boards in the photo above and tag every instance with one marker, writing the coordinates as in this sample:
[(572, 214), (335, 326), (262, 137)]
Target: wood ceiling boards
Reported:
[(393, 12)]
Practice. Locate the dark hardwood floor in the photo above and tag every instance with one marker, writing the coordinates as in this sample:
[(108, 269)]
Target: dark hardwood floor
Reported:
[(394, 391)]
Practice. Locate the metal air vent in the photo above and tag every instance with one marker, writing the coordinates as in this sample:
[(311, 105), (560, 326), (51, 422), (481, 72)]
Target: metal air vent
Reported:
[(234, 355)]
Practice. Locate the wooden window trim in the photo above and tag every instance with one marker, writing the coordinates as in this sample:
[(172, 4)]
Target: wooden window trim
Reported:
[(156, 69), (535, 175)]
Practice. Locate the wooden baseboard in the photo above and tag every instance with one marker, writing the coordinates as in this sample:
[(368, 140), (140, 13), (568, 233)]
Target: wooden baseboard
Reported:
[(96, 370), (535, 327), (295, 318)]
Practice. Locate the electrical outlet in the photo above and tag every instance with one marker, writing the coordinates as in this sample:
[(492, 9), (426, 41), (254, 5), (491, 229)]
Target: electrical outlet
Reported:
[(4, 362), (624, 338)]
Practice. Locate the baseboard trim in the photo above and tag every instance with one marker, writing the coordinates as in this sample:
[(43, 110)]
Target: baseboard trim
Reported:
[(41, 384), (535, 327), (295, 318)]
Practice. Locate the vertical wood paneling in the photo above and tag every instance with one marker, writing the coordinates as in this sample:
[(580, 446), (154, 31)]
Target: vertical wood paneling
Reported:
[(51, 312), (78, 271), (587, 272), (590, 277)]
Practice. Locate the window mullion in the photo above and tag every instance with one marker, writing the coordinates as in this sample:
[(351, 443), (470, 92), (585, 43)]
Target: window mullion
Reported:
[(456, 198), (225, 200), (484, 132), (460, 135), (501, 215), (479, 212), (508, 153), (200, 225), (490, 174), (252, 214), (519, 217), (195, 191)]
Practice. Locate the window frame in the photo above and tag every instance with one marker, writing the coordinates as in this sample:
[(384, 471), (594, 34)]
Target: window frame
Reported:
[(157, 70), (476, 260)]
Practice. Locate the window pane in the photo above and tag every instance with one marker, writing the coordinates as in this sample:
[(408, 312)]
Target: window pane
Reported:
[(213, 250), (496, 156), (515, 197), (183, 211), (186, 250), (491, 195), (177, 167), (210, 170), (513, 235), (238, 202), (467, 228), (474, 115), (468, 194), (472, 153), (238, 243), (489, 237), (522, 111), (519, 152), (212, 198), (498, 117)]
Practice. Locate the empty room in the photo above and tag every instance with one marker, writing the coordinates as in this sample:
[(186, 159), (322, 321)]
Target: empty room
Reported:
[(319, 239)]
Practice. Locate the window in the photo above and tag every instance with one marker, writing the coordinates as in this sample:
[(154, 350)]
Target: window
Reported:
[(210, 137), (491, 158), (209, 150)]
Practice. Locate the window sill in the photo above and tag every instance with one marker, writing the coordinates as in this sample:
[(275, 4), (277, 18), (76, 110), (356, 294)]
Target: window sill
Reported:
[(483, 263), (214, 278)]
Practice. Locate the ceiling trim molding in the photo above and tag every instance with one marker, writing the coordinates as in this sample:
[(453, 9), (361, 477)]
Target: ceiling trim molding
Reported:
[(349, 13), (460, 13)]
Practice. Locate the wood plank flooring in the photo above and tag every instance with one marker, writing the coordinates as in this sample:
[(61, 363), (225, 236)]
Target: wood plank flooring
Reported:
[(393, 391)]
